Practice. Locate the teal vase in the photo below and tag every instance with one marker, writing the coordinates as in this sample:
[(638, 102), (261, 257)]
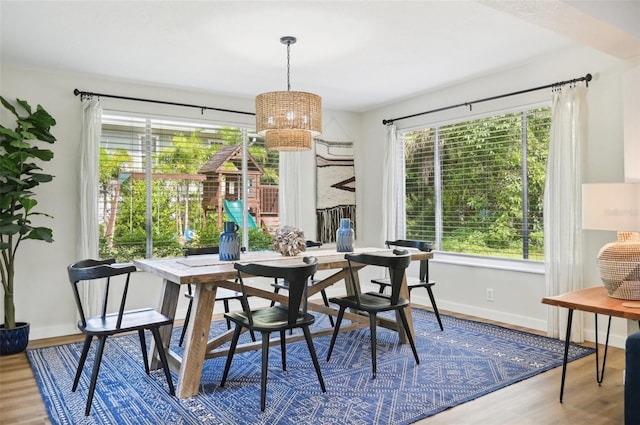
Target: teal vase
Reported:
[(230, 242), (345, 236)]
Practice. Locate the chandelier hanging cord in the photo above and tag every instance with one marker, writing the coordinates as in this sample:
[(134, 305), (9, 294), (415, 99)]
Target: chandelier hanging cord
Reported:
[(288, 40)]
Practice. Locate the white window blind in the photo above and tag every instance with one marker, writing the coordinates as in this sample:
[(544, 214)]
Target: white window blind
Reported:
[(476, 187)]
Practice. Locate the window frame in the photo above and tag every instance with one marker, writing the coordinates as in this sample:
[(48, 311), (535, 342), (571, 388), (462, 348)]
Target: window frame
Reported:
[(150, 123)]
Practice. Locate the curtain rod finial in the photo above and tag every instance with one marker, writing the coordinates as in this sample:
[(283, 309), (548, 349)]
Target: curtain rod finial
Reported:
[(76, 92)]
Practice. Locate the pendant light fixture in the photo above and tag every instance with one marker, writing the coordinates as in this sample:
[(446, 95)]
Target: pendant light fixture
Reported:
[(288, 120)]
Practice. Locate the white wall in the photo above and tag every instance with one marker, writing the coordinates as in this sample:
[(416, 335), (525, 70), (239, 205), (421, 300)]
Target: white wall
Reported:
[(461, 287), (44, 299)]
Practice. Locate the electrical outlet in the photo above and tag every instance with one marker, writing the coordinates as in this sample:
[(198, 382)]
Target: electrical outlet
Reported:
[(489, 294)]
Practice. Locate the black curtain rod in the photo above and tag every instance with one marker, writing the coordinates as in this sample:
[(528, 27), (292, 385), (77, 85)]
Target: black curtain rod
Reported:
[(586, 78), (202, 108)]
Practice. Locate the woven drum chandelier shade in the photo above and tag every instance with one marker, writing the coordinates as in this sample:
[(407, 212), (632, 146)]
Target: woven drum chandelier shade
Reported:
[(288, 119)]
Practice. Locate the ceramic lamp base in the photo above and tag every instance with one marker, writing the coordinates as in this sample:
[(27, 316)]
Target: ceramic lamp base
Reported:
[(619, 266)]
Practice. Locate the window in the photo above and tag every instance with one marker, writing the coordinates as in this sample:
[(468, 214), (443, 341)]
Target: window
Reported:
[(163, 182), (476, 187)]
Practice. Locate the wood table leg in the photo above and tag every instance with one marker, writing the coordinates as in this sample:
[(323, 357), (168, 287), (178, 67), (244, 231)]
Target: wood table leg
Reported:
[(196, 341)]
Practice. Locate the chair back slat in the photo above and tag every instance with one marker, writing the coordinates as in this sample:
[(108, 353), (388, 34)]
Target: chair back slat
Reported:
[(354, 287), (105, 298), (244, 293), (123, 301), (396, 264), (296, 275)]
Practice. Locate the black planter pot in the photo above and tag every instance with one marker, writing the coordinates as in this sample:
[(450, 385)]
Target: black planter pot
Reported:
[(13, 341)]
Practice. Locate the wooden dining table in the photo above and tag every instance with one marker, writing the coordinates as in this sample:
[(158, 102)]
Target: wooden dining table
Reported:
[(208, 272)]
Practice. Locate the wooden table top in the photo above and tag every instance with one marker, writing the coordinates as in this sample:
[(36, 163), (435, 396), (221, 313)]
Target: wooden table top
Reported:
[(595, 300), (204, 268)]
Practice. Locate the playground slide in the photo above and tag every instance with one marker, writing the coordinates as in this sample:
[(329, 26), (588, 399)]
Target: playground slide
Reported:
[(234, 212)]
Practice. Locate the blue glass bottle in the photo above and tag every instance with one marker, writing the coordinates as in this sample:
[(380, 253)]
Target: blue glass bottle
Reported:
[(345, 236), (230, 242)]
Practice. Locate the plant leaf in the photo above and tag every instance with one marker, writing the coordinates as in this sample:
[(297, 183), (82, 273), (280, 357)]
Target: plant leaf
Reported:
[(40, 233)]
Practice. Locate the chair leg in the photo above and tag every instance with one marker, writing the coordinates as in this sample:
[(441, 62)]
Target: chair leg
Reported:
[(435, 308), (143, 348), (83, 358), (265, 366), (94, 375), (335, 332), (232, 350), (186, 322), (163, 359), (405, 324), (314, 357), (283, 350), (372, 328), (326, 303)]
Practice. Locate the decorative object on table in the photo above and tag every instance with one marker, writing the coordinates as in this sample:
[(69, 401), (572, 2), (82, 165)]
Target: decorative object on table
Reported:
[(288, 119), (344, 236), (20, 173), (479, 358), (289, 241), (336, 187), (616, 207), (230, 242)]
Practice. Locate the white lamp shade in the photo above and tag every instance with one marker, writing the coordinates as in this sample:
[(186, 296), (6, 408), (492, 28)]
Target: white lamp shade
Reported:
[(611, 206)]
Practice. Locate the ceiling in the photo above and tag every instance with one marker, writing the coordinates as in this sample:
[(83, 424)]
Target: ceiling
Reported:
[(358, 55)]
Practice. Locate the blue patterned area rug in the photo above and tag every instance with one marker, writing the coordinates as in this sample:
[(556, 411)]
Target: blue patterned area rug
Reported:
[(466, 361)]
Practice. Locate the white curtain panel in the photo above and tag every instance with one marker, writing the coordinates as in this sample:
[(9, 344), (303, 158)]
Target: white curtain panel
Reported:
[(400, 191), (289, 190), (389, 186), (88, 238), (562, 205)]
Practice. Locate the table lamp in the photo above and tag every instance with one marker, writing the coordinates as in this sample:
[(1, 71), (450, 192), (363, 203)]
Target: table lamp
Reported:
[(616, 207)]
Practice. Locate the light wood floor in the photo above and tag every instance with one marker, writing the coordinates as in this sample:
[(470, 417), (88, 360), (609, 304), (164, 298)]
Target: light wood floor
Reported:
[(530, 402)]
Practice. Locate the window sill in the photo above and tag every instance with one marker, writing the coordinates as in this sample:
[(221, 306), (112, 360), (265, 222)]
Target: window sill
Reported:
[(524, 266)]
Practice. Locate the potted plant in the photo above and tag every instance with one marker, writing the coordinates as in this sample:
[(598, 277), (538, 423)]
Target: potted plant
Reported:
[(19, 174)]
